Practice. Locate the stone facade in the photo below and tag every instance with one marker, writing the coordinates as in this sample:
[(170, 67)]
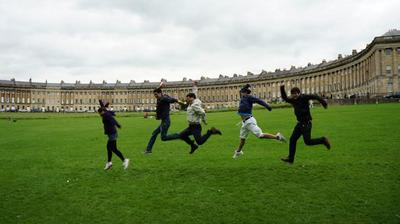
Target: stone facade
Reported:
[(373, 72)]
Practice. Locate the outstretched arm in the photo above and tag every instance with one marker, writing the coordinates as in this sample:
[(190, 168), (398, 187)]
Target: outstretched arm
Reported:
[(320, 100), (168, 99), (262, 103)]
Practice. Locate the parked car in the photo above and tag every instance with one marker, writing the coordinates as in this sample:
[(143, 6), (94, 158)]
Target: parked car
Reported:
[(392, 96)]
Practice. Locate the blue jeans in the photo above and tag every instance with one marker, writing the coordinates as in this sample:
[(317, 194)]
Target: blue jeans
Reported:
[(163, 129)]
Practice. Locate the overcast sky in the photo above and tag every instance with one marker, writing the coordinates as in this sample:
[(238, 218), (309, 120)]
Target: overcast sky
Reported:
[(153, 39)]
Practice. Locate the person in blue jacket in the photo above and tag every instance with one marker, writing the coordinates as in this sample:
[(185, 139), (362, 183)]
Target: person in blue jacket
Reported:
[(249, 123)]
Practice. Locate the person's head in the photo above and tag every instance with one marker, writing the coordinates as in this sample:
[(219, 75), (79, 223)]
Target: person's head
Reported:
[(190, 97), (295, 93), (157, 93), (245, 90), (101, 111)]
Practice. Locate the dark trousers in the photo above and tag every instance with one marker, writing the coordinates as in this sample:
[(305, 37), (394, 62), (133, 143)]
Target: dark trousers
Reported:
[(163, 129), (193, 129), (302, 128), (112, 148)]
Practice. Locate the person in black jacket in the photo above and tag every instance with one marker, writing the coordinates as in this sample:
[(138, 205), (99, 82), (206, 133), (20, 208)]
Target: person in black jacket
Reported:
[(301, 105), (110, 130), (162, 113)]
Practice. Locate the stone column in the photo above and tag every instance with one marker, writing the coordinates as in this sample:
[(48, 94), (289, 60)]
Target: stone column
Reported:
[(395, 70)]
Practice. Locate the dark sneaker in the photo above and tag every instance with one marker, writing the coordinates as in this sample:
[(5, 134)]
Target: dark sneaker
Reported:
[(287, 160), (327, 143), (215, 131), (193, 148)]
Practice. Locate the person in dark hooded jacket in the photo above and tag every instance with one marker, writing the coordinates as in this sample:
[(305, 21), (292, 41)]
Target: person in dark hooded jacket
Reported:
[(110, 129)]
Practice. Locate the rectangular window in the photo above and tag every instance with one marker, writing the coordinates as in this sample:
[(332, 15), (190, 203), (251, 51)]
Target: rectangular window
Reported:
[(398, 50), (390, 80), (388, 70), (388, 51), (390, 88)]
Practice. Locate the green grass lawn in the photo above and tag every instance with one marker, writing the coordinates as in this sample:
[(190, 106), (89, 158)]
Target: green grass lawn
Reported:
[(51, 171)]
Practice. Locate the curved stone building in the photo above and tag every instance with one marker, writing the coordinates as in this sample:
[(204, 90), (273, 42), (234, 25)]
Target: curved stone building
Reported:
[(372, 72)]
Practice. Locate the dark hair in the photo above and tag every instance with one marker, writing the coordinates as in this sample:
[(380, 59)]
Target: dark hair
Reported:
[(295, 90), (101, 109), (245, 89), (191, 95), (158, 90)]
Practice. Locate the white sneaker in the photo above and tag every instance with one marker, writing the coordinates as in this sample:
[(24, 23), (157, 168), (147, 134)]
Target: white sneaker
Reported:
[(281, 137), (125, 164), (237, 154), (108, 166)]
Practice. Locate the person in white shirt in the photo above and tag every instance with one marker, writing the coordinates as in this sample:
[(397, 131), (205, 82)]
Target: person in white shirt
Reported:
[(195, 115)]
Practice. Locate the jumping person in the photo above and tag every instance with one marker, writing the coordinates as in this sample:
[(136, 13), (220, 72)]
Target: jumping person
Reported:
[(195, 115), (300, 102), (249, 123), (109, 129), (162, 113)]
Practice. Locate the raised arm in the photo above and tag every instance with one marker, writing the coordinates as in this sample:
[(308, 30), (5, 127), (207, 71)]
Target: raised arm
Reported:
[(284, 96)]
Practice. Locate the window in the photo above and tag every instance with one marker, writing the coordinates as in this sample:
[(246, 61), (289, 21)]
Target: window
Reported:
[(398, 50), (390, 88), (388, 70), (388, 51), (390, 80)]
